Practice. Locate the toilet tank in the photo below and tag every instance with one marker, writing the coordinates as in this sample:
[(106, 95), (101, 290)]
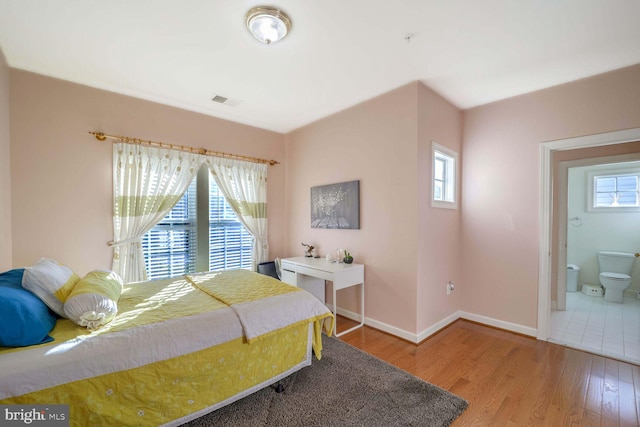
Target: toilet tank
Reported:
[(616, 262)]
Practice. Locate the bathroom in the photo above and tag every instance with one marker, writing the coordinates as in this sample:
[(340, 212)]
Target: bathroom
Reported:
[(589, 322)]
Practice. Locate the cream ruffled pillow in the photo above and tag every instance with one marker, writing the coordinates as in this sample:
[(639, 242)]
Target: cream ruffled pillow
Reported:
[(51, 281), (93, 301)]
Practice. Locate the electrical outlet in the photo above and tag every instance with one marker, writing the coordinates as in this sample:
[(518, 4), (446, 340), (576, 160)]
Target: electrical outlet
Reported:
[(450, 287)]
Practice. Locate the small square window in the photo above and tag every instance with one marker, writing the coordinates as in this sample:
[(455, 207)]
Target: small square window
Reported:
[(614, 191), (444, 177)]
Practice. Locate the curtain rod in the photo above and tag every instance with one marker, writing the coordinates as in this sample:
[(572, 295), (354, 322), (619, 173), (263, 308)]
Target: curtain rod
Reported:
[(102, 137)]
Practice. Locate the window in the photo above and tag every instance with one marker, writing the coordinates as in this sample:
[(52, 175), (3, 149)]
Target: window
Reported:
[(171, 247), (230, 244), (444, 177), (614, 191)]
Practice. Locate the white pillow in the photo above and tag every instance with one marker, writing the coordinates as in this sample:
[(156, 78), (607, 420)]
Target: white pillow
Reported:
[(93, 301), (51, 282)]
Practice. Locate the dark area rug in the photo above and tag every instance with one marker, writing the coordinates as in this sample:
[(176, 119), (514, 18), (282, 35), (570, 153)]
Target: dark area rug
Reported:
[(346, 388)]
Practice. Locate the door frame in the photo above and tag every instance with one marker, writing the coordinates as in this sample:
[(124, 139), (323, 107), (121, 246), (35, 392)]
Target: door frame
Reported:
[(546, 210)]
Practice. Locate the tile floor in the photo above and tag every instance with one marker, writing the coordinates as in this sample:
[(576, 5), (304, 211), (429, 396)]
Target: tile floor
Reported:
[(595, 325)]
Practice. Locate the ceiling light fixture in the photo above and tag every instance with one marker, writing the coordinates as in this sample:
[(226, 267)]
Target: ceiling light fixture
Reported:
[(268, 24)]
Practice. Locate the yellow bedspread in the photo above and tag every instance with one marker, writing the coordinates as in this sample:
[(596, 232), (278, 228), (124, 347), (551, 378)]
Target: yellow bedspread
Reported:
[(265, 305), (166, 392), (174, 349)]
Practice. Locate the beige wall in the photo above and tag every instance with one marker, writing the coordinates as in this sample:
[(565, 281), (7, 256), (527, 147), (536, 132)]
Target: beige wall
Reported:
[(374, 142), (439, 251), (407, 247), (501, 181), (62, 177), (6, 259)]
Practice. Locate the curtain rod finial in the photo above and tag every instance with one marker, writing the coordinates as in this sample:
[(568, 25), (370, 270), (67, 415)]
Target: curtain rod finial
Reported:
[(99, 136)]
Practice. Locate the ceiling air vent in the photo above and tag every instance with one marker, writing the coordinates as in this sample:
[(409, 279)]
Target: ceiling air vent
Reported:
[(226, 101)]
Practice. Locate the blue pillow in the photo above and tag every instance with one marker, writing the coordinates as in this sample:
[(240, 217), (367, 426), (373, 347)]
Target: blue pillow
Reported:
[(25, 320), (12, 278)]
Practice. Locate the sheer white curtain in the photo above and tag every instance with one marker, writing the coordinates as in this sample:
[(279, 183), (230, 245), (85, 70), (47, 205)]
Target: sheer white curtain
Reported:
[(244, 185), (147, 183)]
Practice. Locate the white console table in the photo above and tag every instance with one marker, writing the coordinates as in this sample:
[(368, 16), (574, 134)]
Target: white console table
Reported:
[(311, 274)]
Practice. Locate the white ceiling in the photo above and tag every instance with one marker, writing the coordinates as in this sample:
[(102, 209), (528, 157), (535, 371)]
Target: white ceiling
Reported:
[(339, 52)]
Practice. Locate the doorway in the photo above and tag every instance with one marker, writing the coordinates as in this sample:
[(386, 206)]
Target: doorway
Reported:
[(550, 219), (584, 320)]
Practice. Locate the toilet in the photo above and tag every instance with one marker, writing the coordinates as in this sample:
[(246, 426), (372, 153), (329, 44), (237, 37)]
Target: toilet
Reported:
[(615, 273)]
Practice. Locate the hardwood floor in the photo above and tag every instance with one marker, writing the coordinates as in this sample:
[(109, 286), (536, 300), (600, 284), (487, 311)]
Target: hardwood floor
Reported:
[(513, 380)]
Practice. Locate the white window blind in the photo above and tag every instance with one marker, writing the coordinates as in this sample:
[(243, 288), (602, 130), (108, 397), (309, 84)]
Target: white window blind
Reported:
[(229, 241), (170, 247)]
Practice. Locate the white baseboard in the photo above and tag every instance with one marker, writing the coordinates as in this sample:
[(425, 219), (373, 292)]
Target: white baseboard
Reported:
[(416, 338), (437, 326), (513, 327), (384, 327), (631, 293)]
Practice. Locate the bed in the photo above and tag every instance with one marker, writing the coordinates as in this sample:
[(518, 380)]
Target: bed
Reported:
[(177, 349)]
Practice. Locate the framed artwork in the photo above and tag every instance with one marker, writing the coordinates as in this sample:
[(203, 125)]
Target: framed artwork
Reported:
[(336, 206)]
